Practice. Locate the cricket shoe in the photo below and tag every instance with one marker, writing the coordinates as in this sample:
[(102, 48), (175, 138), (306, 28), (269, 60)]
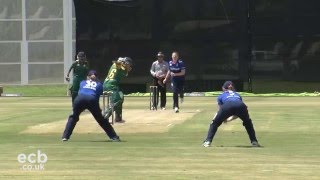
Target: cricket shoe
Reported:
[(116, 139), (206, 143), (118, 118), (176, 109), (121, 121), (64, 139), (255, 144), (163, 108)]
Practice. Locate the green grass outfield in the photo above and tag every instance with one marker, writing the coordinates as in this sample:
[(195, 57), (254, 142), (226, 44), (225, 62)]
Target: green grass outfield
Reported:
[(287, 127), (258, 86)]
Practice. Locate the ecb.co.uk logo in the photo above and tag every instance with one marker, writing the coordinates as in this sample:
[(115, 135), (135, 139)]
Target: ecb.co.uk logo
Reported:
[(32, 161)]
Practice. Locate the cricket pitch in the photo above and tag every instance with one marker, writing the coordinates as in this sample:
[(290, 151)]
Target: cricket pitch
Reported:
[(136, 121)]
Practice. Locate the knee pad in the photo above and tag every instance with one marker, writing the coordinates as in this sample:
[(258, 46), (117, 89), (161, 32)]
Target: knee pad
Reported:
[(119, 98)]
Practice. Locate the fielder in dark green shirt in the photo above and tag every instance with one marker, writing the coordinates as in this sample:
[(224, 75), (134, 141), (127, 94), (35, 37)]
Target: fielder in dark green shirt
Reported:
[(80, 70)]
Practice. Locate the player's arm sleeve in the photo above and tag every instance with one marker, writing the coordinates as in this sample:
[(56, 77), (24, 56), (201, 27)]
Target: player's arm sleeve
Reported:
[(167, 67), (71, 67), (153, 70), (183, 66), (183, 69)]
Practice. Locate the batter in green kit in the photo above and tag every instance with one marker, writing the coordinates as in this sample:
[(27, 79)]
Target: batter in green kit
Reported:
[(80, 70), (117, 72)]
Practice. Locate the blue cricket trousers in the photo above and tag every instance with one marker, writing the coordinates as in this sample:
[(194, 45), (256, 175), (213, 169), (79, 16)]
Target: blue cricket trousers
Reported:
[(228, 109), (91, 103), (178, 90)]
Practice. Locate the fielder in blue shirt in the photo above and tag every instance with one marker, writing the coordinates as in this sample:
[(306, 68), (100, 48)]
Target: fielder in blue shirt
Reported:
[(88, 98), (177, 71), (231, 106)]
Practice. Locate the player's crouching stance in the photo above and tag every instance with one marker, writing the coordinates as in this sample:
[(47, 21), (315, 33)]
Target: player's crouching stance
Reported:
[(231, 106), (88, 98)]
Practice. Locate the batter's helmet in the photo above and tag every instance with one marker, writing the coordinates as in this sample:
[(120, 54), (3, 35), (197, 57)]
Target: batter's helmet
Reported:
[(125, 60)]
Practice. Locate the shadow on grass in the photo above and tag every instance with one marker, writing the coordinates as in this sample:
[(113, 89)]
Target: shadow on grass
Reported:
[(96, 141), (239, 146), (109, 141)]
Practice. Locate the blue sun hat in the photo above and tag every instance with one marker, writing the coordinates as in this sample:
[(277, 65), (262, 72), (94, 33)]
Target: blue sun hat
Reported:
[(92, 72)]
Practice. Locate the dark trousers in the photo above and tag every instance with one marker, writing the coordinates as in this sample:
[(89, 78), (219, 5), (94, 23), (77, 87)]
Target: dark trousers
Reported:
[(228, 109), (178, 91), (81, 103), (162, 91), (74, 94), (75, 86)]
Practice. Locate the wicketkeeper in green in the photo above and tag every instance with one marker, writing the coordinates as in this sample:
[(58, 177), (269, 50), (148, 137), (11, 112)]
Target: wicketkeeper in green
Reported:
[(80, 70), (119, 69)]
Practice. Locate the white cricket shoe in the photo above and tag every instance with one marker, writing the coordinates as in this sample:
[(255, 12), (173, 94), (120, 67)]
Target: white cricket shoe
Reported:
[(176, 109), (116, 139), (206, 143)]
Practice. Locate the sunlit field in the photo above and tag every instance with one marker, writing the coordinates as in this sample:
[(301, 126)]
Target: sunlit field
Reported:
[(160, 144)]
